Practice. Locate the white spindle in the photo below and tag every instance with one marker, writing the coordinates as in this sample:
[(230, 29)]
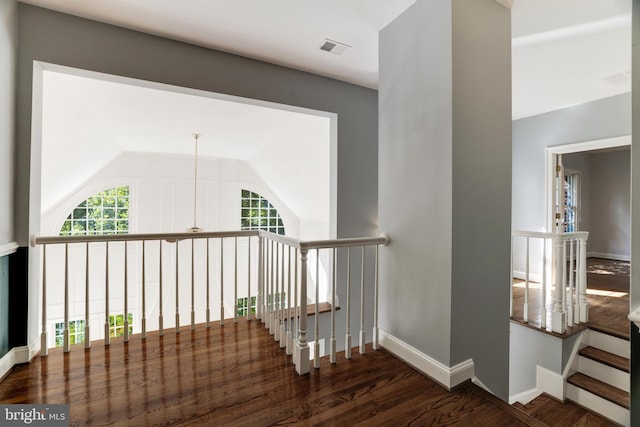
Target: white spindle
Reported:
[(289, 313), (347, 336), (107, 336), (526, 285), (332, 342), (583, 305), (570, 302), (67, 345), (235, 280), (248, 305), (87, 329), (362, 334), (126, 293), (302, 348), (271, 292), (143, 322), (44, 345), (375, 303), (193, 285), (283, 297), (160, 315), (316, 330), (543, 291), (177, 287), (296, 303), (208, 320), (221, 281), (558, 315), (259, 297), (276, 295)]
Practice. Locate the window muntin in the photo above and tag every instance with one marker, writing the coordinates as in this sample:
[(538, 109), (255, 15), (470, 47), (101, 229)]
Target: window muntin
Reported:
[(76, 332), (258, 214), (106, 212)]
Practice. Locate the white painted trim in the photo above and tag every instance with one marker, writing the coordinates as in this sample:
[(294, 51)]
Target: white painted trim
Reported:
[(15, 356), (522, 275), (599, 405), (576, 147), (550, 383), (8, 248), (605, 255), (506, 3), (525, 397), (449, 377), (30, 351)]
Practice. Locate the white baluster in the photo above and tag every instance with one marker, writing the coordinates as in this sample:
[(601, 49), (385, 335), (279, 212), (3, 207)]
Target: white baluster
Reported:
[(277, 296), (302, 348), (259, 310), (347, 336), (126, 293), (558, 320), (235, 280), (143, 321), (296, 303), (208, 324), (66, 344), (289, 313), (283, 297), (248, 305), (316, 330), (332, 342), (221, 281), (44, 345), (107, 336), (87, 330), (543, 291), (526, 284), (583, 305), (271, 292), (177, 288), (570, 312), (193, 285), (375, 303), (362, 334), (160, 316)]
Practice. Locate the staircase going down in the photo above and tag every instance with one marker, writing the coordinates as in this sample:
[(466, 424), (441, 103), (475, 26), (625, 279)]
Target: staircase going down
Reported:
[(600, 378)]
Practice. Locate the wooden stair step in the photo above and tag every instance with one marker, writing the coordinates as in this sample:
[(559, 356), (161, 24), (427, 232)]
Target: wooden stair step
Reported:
[(601, 389), (609, 331), (606, 358)]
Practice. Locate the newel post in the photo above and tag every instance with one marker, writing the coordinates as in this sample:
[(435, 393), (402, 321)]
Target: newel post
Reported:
[(583, 305), (302, 348), (260, 296), (558, 319)]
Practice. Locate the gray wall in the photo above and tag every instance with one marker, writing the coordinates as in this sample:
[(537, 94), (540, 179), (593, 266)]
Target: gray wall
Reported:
[(610, 232), (415, 177), (8, 45), (604, 118), (62, 39), (481, 190), (444, 190)]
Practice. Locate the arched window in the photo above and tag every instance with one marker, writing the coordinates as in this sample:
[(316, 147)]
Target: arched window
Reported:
[(258, 214), (106, 212)]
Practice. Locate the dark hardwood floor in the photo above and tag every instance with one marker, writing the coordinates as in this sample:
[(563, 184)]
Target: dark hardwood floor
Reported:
[(237, 375), (608, 297)]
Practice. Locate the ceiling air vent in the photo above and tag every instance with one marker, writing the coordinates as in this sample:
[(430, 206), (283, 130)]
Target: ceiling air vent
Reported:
[(334, 47)]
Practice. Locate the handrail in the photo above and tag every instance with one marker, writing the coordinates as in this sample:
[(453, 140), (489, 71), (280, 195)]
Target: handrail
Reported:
[(549, 235)]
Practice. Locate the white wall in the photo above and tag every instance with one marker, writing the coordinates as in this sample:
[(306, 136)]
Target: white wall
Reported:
[(8, 44)]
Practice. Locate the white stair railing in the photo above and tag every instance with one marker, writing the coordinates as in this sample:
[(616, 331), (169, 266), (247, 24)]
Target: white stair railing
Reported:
[(559, 259), (279, 268)]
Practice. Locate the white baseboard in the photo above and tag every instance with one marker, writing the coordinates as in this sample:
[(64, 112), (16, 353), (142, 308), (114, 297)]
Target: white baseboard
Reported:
[(614, 257), (549, 382), (14, 357), (449, 377), (8, 248), (31, 351), (522, 275), (525, 397)]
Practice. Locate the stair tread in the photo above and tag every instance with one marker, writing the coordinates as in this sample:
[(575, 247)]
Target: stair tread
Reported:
[(601, 389), (606, 358), (609, 331)]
